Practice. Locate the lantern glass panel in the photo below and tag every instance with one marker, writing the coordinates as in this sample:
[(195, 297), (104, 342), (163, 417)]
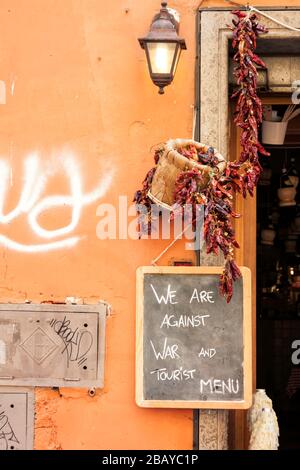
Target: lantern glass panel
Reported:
[(161, 55), (178, 52)]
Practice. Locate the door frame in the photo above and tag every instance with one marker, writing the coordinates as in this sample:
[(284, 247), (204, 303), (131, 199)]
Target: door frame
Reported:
[(246, 235), (214, 125)]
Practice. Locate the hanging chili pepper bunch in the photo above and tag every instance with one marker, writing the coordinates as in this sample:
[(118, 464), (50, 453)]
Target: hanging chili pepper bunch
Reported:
[(142, 200), (218, 228), (242, 175), (248, 112), (188, 192), (239, 176), (192, 153)]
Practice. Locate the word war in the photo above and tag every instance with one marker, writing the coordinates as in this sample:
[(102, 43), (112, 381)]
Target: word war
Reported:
[(168, 351)]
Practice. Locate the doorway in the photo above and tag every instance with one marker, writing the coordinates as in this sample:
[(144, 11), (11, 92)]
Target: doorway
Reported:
[(215, 125), (269, 236), (278, 279)]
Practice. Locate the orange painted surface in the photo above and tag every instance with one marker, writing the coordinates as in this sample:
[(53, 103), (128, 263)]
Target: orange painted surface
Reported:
[(77, 88)]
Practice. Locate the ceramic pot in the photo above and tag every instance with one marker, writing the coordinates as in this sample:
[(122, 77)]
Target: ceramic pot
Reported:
[(294, 228), (290, 245), (273, 132), (296, 223), (294, 180), (275, 216), (286, 196), (296, 282), (267, 236)]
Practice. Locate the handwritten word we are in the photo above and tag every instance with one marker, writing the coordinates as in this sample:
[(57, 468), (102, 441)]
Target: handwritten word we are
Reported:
[(169, 296)]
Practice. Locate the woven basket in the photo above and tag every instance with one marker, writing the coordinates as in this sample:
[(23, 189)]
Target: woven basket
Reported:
[(171, 164)]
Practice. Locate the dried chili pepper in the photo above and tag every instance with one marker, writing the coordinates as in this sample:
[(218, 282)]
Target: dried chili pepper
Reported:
[(248, 111), (240, 176)]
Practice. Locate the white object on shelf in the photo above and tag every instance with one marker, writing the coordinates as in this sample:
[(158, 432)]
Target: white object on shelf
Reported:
[(294, 180), (274, 116), (295, 227), (290, 245), (267, 236), (273, 132), (287, 196)]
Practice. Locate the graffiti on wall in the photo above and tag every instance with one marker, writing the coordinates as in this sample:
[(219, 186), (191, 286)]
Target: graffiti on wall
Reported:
[(33, 201), (8, 439)]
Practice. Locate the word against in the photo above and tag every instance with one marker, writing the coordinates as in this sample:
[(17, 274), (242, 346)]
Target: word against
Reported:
[(33, 202), (183, 321), (170, 296), (296, 353)]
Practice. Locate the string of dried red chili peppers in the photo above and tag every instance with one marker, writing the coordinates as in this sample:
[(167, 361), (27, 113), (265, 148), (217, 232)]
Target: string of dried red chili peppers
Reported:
[(142, 200), (248, 111), (240, 176), (218, 228)]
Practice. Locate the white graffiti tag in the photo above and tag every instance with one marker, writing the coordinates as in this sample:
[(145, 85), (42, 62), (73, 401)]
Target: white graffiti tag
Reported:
[(31, 202)]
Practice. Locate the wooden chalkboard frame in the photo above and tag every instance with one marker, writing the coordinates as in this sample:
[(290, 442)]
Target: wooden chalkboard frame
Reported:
[(247, 340)]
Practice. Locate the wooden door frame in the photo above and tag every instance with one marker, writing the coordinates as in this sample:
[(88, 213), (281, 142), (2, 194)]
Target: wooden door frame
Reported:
[(245, 228)]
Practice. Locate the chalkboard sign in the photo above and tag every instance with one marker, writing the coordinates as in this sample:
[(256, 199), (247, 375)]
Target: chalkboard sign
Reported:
[(193, 349)]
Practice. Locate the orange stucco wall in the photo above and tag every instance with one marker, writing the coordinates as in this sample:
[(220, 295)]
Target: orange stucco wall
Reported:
[(76, 87)]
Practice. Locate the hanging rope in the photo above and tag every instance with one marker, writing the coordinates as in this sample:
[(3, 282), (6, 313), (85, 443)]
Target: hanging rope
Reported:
[(262, 13), (153, 262), (250, 8), (256, 10), (195, 113)]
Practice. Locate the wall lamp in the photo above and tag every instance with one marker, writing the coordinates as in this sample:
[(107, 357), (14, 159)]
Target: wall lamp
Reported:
[(163, 46)]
